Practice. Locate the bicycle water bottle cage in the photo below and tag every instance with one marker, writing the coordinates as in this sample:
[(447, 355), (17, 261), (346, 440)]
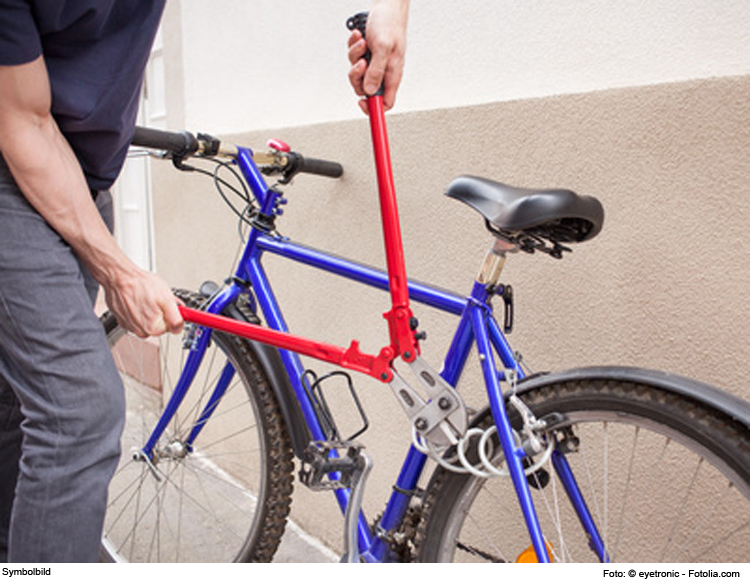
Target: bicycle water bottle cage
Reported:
[(528, 218), (314, 387)]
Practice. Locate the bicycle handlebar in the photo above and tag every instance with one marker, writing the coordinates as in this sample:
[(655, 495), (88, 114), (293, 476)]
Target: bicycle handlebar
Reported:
[(184, 144), (318, 167), (180, 144)]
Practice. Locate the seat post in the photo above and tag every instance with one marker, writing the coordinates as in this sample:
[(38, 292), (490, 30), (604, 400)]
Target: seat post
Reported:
[(494, 262)]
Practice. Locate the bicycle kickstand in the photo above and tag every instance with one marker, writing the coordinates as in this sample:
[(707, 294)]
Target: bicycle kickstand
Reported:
[(353, 508)]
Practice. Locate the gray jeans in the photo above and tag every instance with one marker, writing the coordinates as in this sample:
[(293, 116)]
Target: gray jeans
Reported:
[(61, 397)]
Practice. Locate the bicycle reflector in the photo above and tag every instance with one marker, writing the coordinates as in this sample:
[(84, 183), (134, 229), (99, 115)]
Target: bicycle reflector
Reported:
[(529, 555)]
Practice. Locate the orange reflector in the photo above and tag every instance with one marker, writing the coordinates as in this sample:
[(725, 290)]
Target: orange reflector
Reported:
[(529, 555)]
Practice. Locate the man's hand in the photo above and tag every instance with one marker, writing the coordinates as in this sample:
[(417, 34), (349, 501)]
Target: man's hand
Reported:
[(386, 39), (144, 304)]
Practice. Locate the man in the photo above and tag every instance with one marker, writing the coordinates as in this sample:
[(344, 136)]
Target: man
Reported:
[(70, 77)]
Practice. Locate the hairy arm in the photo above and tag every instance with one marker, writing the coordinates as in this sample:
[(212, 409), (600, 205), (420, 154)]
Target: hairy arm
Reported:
[(51, 179)]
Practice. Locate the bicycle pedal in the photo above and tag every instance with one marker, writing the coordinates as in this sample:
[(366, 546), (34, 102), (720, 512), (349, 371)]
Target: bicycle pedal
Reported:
[(329, 465), (325, 468)]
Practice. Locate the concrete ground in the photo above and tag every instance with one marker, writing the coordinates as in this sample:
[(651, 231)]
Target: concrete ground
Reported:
[(299, 547)]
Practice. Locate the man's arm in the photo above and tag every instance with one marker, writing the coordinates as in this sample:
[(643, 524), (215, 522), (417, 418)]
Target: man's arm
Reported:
[(386, 39), (49, 175)]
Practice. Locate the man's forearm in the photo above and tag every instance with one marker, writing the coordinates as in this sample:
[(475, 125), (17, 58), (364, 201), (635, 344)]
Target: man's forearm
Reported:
[(50, 177)]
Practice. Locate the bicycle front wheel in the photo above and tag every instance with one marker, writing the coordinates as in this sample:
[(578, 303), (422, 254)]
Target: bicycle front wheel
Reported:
[(226, 496), (665, 479)]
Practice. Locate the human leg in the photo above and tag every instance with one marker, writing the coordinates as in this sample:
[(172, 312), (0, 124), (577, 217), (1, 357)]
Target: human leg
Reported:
[(55, 359)]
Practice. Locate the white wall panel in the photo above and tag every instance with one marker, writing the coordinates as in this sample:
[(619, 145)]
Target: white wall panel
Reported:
[(251, 65)]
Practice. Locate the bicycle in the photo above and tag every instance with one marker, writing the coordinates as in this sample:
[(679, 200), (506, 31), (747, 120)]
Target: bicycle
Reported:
[(561, 466)]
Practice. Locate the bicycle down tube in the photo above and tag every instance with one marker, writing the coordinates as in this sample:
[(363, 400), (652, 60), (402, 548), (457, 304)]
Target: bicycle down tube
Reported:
[(475, 323)]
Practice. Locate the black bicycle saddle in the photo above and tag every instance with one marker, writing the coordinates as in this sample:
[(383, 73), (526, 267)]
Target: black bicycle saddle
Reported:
[(557, 215)]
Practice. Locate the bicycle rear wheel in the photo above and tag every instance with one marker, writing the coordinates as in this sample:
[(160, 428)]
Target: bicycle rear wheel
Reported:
[(666, 480), (226, 498)]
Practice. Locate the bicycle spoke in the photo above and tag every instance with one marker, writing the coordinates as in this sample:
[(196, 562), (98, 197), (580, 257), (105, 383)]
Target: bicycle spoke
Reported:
[(682, 507), (696, 533), (209, 383), (231, 436), (488, 539), (136, 482), (626, 495), (214, 500), (720, 541), (213, 512), (139, 514)]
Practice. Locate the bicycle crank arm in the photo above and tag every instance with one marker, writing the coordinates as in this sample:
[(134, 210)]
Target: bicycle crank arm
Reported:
[(442, 419), (353, 509)]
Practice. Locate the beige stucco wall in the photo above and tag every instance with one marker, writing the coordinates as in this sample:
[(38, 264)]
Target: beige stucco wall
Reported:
[(663, 286)]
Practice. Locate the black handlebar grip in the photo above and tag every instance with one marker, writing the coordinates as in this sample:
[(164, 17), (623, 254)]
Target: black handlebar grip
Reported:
[(180, 144), (319, 167)]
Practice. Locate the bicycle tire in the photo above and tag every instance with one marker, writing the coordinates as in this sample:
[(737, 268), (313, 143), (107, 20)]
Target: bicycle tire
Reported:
[(666, 478), (226, 500)]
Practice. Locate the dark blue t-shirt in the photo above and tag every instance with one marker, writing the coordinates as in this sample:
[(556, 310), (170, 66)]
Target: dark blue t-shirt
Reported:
[(95, 52)]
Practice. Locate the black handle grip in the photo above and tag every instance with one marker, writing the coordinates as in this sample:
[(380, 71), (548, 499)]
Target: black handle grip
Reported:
[(179, 144), (319, 167), (359, 22)]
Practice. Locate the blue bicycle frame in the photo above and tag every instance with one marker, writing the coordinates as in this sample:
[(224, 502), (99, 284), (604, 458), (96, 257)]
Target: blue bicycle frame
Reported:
[(476, 326)]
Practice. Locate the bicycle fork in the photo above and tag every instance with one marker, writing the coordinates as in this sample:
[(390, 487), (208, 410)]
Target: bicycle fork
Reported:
[(195, 342)]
